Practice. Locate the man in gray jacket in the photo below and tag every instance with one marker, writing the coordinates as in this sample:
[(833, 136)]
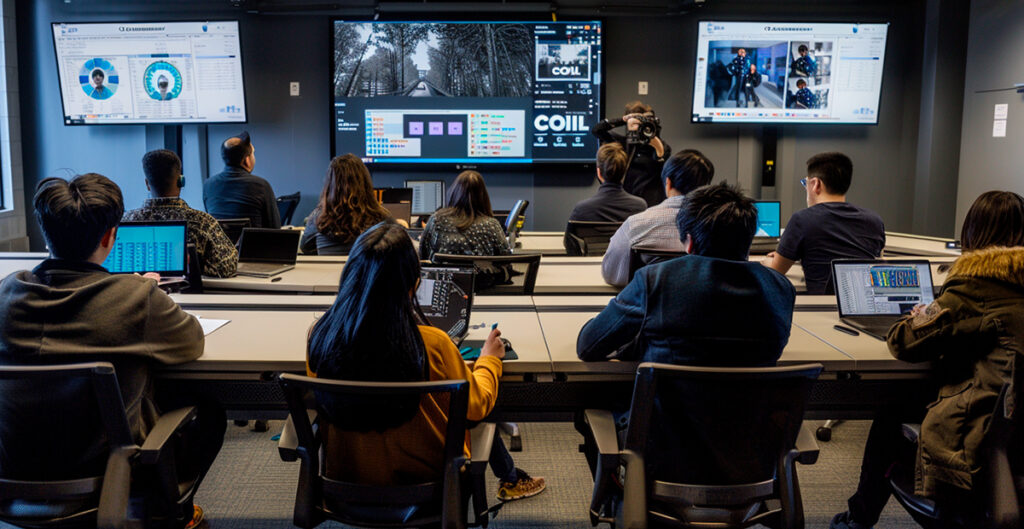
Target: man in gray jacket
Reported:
[(70, 309)]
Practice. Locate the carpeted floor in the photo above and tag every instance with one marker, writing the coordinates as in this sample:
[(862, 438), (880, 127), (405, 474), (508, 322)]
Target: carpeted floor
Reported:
[(249, 487)]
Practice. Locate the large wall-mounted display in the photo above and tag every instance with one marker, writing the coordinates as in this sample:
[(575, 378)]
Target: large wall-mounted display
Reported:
[(150, 72), (466, 92), (771, 72)]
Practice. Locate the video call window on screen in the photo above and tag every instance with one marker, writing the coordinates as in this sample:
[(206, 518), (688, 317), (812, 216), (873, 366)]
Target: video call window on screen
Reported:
[(771, 72), (150, 72), (467, 92)]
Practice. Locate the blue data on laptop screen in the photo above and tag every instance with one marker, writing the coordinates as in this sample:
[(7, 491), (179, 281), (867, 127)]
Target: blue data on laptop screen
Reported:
[(148, 248), (768, 219)]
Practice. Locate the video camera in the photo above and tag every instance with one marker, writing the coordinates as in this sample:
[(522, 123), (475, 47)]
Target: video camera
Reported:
[(649, 127)]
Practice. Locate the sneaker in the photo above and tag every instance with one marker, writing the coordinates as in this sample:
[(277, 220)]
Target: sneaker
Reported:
[(524, 487), (197, 517), (843, 521)]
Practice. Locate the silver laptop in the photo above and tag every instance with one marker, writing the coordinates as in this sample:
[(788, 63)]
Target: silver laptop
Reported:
[(266, 252), (769, 227), (875, 294)]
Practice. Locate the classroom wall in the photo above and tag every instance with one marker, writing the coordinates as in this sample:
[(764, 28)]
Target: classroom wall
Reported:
[(994, 64), (291, 134)]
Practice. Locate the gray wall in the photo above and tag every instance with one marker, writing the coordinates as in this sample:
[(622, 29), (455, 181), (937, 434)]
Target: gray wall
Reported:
[(994, 63), (292, 137)]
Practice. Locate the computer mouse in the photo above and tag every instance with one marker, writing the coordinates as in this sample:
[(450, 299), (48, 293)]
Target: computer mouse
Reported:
[(508, 344)]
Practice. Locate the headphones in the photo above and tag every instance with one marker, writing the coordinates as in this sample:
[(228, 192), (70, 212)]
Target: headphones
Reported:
[(181, 181)]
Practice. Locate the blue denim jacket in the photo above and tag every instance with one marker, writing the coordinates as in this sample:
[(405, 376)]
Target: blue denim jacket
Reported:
[(695, 310)]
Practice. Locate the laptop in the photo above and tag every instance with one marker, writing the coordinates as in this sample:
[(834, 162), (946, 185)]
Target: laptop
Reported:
[(445, 296), (874, 294), (150, 246), (264, 252), (769, 227), (427, 196), (397, 200)]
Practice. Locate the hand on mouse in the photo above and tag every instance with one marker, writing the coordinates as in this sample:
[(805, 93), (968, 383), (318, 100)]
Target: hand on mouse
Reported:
[(493, 346)]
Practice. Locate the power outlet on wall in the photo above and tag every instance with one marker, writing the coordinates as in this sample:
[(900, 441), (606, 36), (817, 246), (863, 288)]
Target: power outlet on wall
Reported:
[(293, 88), (642, 88)]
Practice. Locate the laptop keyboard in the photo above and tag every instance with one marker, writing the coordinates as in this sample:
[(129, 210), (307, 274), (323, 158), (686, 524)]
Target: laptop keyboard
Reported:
[(258, 267)]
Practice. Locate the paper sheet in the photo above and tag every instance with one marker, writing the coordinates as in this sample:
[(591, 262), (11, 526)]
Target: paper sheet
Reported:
[(1002, 111), (211, 325), (999, 128)]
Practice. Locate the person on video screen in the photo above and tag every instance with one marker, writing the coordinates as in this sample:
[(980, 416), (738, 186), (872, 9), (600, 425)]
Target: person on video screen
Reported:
[(738, 68), (804, 98), (751, 81), (162, 85), (803, 66), (99, 91)]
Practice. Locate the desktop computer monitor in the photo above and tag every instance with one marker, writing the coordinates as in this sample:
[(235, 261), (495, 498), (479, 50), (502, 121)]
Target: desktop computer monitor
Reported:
[(427, 196), (141, 247)]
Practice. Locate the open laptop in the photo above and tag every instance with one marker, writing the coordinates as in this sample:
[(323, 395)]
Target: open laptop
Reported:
[(874, 294), (150, 246), (264, 252), (427, 196), (397, 200), (445, 296), (769, 226)]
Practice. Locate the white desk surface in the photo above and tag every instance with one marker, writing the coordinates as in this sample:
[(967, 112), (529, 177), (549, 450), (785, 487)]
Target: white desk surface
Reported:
[(276, 340), (305, 277), (598, 302), (907, 244), (263, 302), (10, 266), (870, 354)]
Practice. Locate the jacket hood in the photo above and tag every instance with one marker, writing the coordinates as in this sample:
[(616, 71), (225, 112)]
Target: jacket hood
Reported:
[(999, 263)]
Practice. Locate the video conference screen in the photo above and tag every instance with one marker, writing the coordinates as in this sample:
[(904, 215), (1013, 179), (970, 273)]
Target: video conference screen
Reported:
[(770, 72), (151, 72), (467, 92)]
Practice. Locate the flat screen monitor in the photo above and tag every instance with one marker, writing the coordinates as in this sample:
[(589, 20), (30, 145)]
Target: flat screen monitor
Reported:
[(769, 218), (141, 247), (466, 92), (777, 72), (150, 72), (427, 196)]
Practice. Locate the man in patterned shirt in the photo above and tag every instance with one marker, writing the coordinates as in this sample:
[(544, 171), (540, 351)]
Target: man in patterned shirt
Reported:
[(656, 228), (164, 181)]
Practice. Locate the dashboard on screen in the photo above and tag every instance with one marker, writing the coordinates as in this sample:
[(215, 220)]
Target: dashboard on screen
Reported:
[(466, 92), (150, 72), (771, 72)]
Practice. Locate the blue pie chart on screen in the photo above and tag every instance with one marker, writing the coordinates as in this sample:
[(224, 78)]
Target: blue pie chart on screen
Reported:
[(98, 78), (162, 81)]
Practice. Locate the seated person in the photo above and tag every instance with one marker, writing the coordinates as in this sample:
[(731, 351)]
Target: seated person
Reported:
[(803, 98), (346, 209), (611, 203), (830, 228), (803, 66), (236, 193), (971, 332), (70, 309), (392, 443), (164, 181), (656, 227)]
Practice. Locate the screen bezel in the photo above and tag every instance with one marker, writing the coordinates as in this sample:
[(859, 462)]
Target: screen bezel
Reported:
[(428, 165), (60, 86), (835, 285), (183, 224), (881, 83)]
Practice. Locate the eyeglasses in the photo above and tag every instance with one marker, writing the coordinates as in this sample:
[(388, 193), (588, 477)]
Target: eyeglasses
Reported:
[(803, 182)]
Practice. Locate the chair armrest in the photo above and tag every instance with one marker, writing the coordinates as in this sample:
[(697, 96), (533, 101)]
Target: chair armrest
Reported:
[(168, 424), (634, 499), (288, 444), (1005, 503), (115, 494), (481, 441), (602, 427), (806, 447), (911, 432)]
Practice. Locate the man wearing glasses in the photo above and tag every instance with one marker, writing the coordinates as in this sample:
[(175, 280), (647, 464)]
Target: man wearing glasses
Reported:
[(830, 228)]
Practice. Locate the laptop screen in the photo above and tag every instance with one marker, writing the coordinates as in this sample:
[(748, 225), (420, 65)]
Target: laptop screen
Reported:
[(264, 245), (769, 219), (141, 247), (427, 196), (445, 296), (891, 288)]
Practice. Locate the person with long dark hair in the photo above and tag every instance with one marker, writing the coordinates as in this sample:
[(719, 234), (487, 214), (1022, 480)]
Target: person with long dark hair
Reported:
[(375, 331), (973, 333), (347, 207)]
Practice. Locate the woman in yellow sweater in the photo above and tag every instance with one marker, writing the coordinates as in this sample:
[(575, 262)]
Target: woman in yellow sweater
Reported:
[(375, 331)]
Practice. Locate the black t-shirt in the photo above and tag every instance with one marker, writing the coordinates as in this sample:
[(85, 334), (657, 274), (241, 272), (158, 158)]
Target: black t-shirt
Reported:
[(831, 230)]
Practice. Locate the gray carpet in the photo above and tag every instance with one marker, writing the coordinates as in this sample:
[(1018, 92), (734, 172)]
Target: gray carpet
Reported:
[(249, 487)]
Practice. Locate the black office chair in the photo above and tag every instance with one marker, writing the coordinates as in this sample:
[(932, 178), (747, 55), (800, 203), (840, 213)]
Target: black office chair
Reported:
[(514, 222), (641, 257), (70, 456), (705, 447), (998, 500), (233, 228), (286, 204), (498, 274), (442, 503), (585, 238)]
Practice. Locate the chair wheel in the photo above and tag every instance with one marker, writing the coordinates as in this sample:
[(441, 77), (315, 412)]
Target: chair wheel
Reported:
[(823, 434), (260, 426), (515, 443)]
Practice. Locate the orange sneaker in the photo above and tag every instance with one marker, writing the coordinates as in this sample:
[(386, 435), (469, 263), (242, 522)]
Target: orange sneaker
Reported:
[(197, 517), (524, 487)]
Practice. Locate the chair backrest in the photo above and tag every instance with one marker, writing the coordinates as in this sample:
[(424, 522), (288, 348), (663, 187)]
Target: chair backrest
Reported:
[(286, 205), (58, 424), (641, 257), (233, 227), (584, 237), (348, 502), (716, 426), (498, 274), (514, 222)]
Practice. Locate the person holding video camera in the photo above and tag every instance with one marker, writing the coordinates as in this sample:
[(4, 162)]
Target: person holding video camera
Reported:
[(645, 150)]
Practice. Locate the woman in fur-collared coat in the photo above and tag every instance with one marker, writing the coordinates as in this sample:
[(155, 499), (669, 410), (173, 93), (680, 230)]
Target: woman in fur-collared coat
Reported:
[(973, 332)]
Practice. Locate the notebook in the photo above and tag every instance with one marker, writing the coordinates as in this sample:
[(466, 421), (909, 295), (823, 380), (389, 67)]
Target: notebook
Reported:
[(264, 252), (874, 294)]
